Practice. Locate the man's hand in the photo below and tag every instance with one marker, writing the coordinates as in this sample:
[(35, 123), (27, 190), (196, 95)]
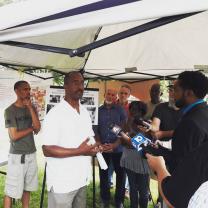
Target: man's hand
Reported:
[(144, 129), (108, 147), (87, 149), (27, 102), (158, 166), (157, 134), (126, 140), (35, 120), (100, 147), (36, 131), (157, 163)]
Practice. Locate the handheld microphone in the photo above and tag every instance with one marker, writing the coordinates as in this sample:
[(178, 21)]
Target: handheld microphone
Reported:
[(118, 131), (139, 141), (99, 156)]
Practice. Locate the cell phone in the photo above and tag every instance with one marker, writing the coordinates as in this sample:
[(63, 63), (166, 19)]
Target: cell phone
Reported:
[(142, 122)]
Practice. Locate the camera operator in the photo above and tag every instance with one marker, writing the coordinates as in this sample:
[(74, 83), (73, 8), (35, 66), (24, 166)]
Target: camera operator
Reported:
[(187, 186)]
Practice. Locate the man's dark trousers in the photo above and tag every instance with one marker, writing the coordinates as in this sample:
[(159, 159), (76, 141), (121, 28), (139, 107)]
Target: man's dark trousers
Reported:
[(120, 179)]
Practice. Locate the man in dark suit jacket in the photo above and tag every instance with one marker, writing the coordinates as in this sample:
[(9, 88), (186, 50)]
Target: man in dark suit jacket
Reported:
[(192, 130), (189, 91)]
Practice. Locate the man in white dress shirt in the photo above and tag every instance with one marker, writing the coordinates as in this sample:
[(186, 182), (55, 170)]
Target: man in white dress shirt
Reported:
[(66, 130)]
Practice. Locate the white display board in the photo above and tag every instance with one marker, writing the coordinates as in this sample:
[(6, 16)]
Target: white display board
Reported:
[(54, 94)]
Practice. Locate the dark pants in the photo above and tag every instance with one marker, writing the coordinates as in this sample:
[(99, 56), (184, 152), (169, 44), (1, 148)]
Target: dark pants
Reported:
[(120, 179), (138, 183)]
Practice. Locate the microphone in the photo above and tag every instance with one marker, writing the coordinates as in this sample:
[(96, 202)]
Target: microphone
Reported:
[(139, 141), (118, 131), (99, 156)]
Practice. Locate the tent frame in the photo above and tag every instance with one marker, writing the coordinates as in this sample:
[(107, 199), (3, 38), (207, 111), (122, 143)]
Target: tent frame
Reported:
[(28, 70), (80, 52)]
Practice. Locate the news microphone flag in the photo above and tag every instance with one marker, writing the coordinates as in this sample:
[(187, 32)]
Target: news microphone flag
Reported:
[(139, 141)]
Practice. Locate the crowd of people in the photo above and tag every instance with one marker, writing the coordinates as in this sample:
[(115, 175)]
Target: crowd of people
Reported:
[(180, 167)]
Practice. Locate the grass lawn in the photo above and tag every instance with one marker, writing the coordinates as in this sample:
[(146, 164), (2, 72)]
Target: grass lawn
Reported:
[(35, 197)]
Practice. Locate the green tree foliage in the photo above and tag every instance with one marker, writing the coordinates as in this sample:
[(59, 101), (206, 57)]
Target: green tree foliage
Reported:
[(164, 89), (58, 79)]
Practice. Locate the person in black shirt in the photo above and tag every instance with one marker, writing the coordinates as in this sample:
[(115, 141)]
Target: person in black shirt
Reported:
[(165, 118)]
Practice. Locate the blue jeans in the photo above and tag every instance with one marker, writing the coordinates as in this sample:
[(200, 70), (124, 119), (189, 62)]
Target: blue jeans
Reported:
[(138, 183), (120, 179)]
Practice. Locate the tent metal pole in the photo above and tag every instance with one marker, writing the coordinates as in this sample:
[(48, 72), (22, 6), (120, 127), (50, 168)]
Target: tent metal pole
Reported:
[(153, 75), (13, 68), (43, 187), (143, 80), (95, 38), (30, 68), (128, 33), (98, 75), (106, 78), (39, 47), (110, 77), (93, 183), (21, 65), (119, 36)]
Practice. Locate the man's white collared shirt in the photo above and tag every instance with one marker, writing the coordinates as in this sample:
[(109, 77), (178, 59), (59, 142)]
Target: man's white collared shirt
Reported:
[(65, 127)]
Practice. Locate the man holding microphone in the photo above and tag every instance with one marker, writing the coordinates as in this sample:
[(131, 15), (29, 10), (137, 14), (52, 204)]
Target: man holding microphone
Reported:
[(189, 143)]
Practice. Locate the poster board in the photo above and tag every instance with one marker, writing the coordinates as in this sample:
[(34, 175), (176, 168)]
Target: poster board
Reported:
[(38, 97), (54, 94)]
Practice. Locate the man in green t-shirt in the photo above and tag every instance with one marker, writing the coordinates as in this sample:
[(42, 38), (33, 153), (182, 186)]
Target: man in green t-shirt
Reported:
[(22, 122)]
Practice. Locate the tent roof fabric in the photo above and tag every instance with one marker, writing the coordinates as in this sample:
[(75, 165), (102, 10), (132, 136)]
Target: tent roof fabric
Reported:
[(162, 51)]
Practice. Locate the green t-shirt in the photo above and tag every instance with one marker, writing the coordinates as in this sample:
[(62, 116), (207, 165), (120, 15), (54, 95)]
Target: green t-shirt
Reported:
[(21, 119)]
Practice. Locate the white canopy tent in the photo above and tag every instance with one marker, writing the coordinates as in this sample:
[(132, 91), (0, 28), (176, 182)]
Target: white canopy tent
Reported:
[(66, 26)]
